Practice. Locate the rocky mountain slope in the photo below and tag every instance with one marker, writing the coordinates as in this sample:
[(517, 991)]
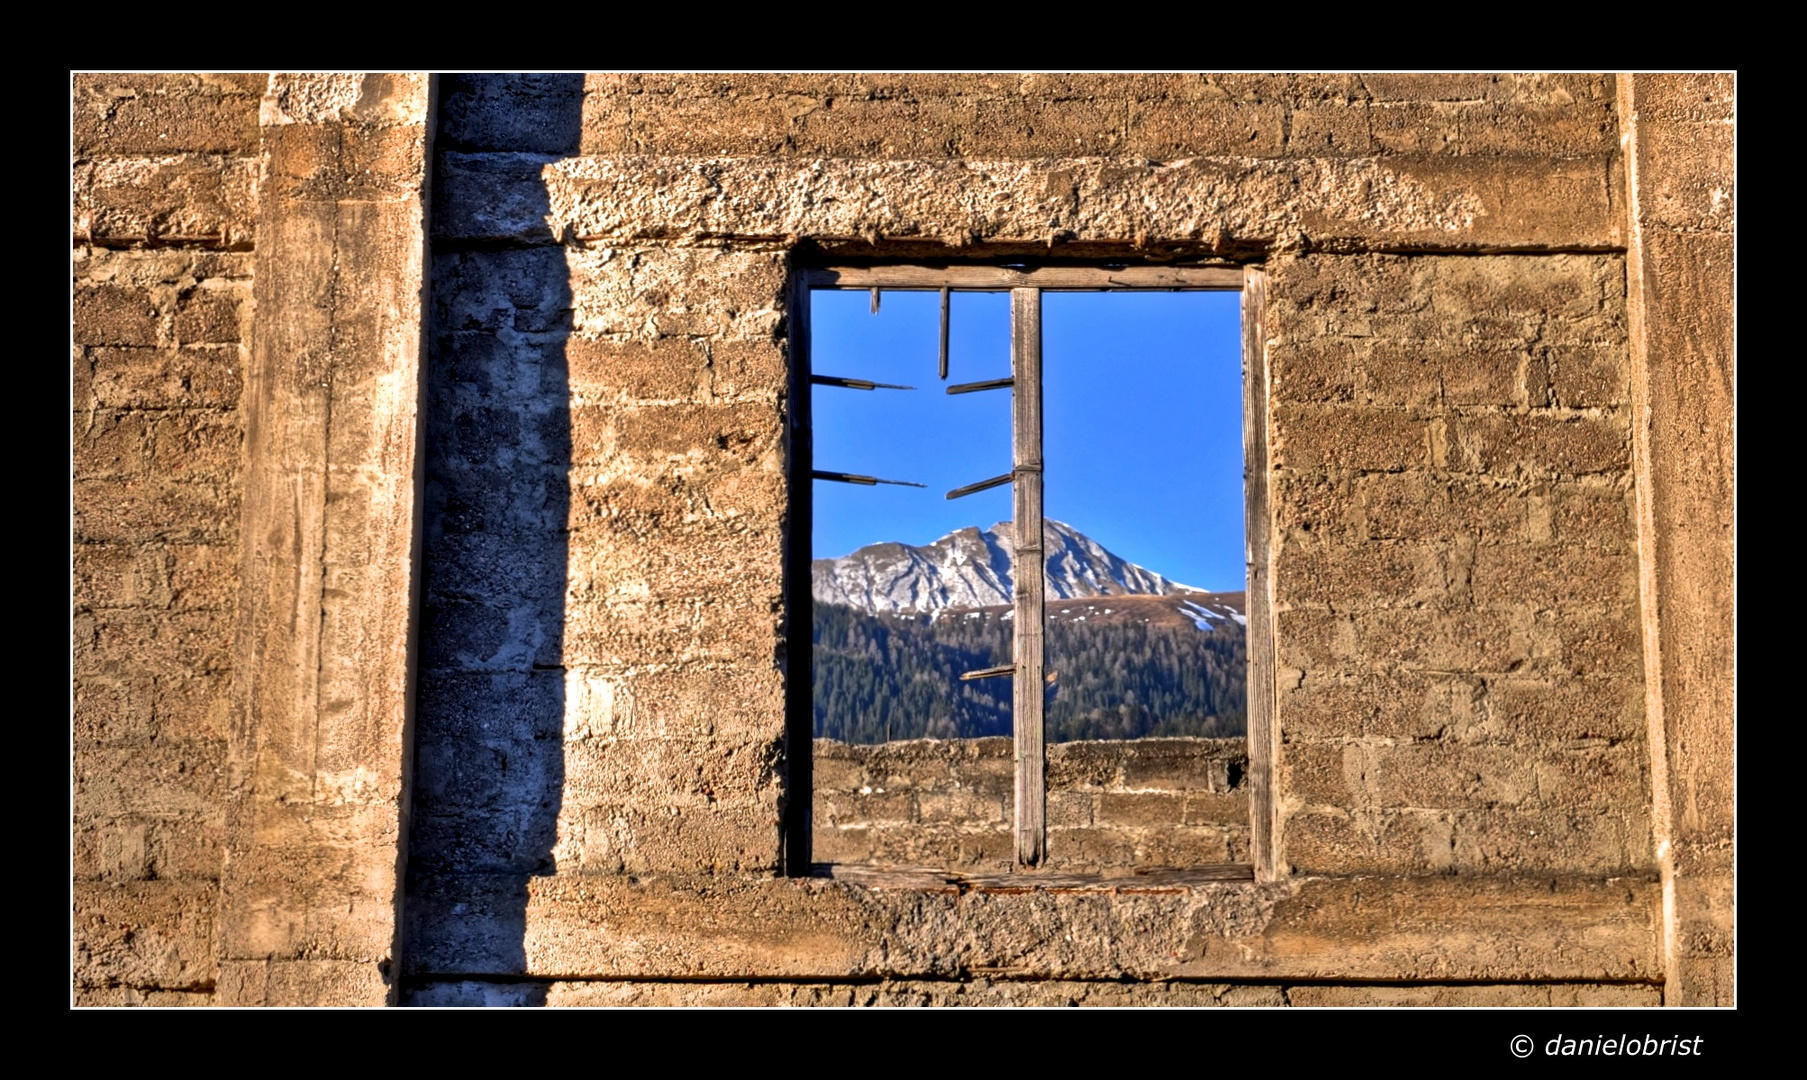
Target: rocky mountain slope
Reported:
[(973, 568)]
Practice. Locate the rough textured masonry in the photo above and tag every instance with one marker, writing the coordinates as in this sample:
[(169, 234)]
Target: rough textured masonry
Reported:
[(431, 512)]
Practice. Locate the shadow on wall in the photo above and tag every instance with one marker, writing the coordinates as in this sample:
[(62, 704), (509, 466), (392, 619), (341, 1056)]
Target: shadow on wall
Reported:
[(489, 774)]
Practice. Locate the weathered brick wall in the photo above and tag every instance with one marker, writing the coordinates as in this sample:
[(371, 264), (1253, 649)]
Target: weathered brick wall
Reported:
[(946, 803), (599, 690), (163, 222), (1498, 614), (1455, 573)]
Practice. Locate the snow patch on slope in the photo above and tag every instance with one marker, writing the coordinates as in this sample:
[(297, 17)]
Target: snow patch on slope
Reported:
[(972, 567)]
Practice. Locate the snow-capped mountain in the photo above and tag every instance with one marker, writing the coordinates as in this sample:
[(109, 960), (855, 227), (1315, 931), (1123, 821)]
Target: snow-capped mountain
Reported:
[(972, 568)]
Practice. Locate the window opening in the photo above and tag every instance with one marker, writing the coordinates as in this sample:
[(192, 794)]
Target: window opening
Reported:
[(940, 609)]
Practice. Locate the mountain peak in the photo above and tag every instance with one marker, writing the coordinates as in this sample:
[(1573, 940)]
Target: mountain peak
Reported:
[(973, 567)]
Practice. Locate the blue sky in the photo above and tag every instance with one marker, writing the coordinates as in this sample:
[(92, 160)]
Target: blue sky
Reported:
[(1142, 401)]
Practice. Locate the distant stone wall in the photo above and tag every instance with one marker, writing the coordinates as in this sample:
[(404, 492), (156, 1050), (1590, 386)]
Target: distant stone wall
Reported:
[(164, 217), (946, 804)]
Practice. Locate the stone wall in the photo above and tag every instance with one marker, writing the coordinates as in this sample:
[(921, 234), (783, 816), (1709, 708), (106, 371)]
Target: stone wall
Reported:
[(1498, 709), (1455, 574), (164, 218), (1111, 805)]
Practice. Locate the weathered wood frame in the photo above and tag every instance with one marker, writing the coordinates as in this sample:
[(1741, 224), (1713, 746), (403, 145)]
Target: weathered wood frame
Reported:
[(1026, 284)]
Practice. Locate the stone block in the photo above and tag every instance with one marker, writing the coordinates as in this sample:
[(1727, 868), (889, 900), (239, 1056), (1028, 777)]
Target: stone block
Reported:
[(1431, 87), (1141, 809), (606, 122), (128, 641), (1348, 578), (713, 126), (1312, 371), (1493, 641), (1366, 439), (961, 807), (718, 840), (948, 846), (190, 199), (907, 127), (1594, 779), (1553, 576), (1607, 644), (1697, 96), (850, 845), (1313, 502), (1440, 375), (113, 997), (1507, 995), (165, 780), (114, 711), (523, 113), (1579, 88), (1493, 295), (1314, 639), (111, 118), (743, 432), (1165, 128), (195, 377), (1071, 809), (693, 702), (747, 369), (664, 369), (1329, 130), (208, 316), (1089, 765), (116, 315), (298, 983), (1426, 841), (1587, 128), (1415, 127), (1176, 764), (203, 576), (634, 632), (121, 575), (1547, 712), (147, 935), (1442, 776), (1589, 377), (112, 444), (1394, 704), (136, 848), (669, 775), (1012, 126), (196, 708), (863, 806), (1541, 445), (1421, 507), (1211, 808)]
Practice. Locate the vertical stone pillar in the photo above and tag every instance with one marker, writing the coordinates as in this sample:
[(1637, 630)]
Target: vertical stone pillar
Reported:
[(1678, 137), (320, 744)]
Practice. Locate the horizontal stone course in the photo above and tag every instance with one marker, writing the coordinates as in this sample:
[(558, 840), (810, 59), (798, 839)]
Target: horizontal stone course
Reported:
[(995, 993), (127, 114)]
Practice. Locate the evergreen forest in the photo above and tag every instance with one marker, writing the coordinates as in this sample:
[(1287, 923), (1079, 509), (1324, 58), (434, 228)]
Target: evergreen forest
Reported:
[(885, 677)]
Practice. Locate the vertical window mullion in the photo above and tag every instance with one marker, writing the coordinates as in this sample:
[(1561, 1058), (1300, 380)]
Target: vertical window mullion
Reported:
[(1263, 727), (1030, 600)]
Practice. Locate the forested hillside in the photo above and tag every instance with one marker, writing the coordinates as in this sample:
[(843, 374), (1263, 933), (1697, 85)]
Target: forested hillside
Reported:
[(883, 677)]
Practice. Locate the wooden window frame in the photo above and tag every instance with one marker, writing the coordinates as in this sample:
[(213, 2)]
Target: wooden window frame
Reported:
[(1026, 285)]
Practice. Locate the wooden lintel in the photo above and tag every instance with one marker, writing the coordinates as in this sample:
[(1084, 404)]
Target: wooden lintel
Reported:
[(1043, 277)]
